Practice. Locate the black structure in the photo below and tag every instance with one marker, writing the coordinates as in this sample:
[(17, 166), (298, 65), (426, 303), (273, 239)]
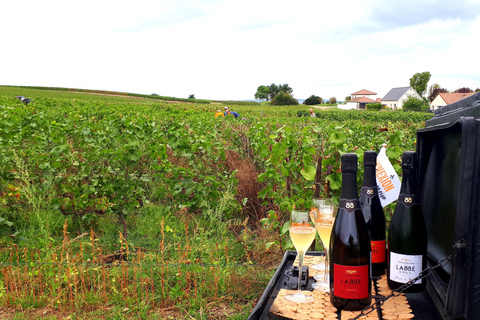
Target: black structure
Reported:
[(449, 176)]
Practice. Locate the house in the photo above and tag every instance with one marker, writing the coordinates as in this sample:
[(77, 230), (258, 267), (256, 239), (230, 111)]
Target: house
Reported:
[(359, 100), (395, 98), (443, 99)]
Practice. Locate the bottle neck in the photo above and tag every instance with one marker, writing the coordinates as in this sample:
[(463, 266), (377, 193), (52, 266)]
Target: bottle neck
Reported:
[(369, 179), (349, 186), (409, 186)]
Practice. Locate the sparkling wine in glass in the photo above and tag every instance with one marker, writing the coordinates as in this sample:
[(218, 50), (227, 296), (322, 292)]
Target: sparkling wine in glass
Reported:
[(317, 204), (324, 224), (302, 232)]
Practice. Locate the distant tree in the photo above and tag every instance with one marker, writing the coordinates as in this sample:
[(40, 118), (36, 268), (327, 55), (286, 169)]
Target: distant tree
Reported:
[(284, 99), (154, 94), (477, 90), (273, 91), (313, 100), (419, 82), (463, 90), (414, 104), (434, 90), (348, 98), (333, 100), (191, 96), (285, 88), (263, 93)]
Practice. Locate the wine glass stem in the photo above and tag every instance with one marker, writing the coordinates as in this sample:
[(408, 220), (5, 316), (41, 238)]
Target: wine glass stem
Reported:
[(327, 265), (300, 263)]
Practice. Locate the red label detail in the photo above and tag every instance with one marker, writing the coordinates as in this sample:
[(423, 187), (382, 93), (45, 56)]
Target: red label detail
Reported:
[(378, 251), (350, 282)]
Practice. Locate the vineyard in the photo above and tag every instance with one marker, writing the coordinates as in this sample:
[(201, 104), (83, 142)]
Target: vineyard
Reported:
[(139, 208)]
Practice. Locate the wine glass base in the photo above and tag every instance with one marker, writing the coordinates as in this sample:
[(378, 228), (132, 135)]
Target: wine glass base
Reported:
[(299, 298), (322, 283), (321, 286), (318, 267)]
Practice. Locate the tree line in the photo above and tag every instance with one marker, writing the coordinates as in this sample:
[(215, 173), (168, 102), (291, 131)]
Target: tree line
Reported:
[(283, 94)]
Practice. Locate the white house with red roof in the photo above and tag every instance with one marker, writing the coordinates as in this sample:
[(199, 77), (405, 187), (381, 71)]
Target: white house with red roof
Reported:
[(360, 99), (443, 99)]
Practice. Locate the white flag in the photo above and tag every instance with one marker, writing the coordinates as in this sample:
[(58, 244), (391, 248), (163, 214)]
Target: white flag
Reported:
[(387, 179)]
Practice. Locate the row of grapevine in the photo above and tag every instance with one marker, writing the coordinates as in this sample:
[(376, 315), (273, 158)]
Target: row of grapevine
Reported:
[(84, 157)]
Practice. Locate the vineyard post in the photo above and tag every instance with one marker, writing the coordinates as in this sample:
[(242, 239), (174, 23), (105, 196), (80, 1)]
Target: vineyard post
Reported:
[(318, 183)]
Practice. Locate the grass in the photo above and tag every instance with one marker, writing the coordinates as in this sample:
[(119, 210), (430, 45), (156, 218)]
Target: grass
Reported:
[(175, 266), (32, 92)]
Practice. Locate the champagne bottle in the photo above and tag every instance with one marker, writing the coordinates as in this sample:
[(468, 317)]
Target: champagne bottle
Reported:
[(407, 236), (350, 269), (373, 213)]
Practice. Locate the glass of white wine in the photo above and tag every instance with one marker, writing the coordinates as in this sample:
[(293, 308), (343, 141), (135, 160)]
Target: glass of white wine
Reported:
[(324, 223), (317, 205), (302, 232)]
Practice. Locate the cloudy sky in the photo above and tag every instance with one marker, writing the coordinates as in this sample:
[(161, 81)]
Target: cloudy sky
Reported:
[(225, 49)]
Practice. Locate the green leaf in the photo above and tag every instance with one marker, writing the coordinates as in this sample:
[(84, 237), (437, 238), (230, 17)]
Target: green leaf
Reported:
[(285, 228), (308, 173), (335, 180), (263, 151), (328, 161), (337, 138), (309, 150), (394, 152), (269, 244), (278, 149), (396, 138), (285, 171)]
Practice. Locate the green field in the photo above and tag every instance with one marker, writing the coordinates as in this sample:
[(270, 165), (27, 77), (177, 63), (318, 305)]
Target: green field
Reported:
[(123, 206)]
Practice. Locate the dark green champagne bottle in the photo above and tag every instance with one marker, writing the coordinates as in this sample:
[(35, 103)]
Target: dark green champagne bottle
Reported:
[(350, 269), (373, 213), (407, 236)]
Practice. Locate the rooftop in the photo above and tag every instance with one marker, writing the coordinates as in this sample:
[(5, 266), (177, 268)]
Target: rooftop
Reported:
[(362, 100), (395, 94), (454, 97), (364, 92)]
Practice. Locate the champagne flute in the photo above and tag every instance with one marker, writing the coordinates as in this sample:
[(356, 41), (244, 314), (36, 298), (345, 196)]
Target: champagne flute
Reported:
[(324, 224), (302, 232), (317, 205)]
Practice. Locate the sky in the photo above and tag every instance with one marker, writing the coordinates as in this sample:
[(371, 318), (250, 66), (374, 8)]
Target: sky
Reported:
[(225, 49)]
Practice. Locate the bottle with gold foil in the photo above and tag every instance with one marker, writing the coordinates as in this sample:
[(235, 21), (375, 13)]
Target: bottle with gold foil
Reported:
[(373, 213), (350, 281), (407, 236)]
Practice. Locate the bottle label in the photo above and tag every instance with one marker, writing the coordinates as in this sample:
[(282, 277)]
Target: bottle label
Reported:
[(404, 267), (349, 204), (408, 200), (370, 192), (351, 282), (378, 251)]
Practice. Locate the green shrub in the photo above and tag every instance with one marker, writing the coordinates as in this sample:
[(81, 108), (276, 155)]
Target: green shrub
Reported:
[(284, 99), (312, 100), (415, 104), (374, 106)]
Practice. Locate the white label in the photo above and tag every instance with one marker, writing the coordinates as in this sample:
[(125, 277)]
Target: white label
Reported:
[(404, 267)]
